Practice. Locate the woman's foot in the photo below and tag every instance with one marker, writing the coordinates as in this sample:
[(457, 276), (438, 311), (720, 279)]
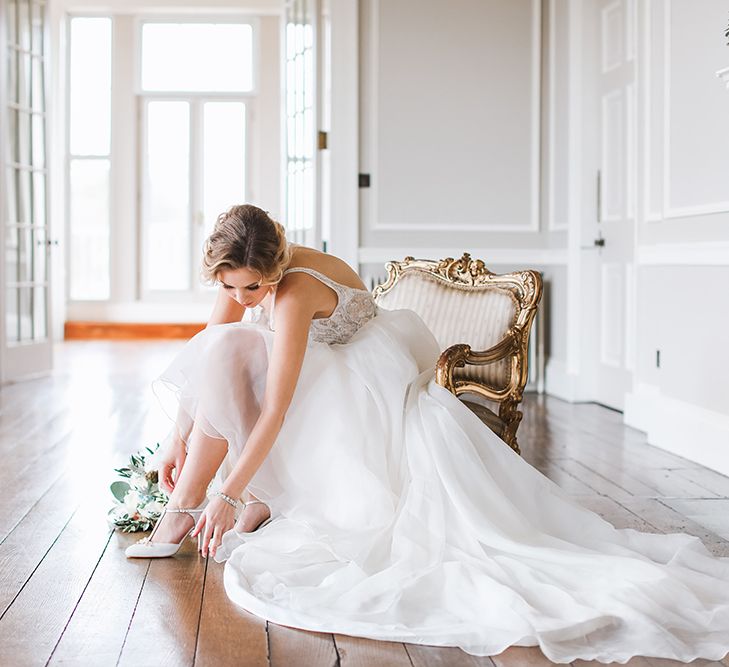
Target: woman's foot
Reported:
[(253, 515), (172, 526), (167, 536)]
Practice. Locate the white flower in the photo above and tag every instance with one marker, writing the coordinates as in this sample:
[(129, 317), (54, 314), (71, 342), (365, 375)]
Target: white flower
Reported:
[(138, 482), (152, 509), (131, 500)]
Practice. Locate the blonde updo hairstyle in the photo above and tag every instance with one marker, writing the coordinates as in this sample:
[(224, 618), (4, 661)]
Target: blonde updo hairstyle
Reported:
[(245, 236)]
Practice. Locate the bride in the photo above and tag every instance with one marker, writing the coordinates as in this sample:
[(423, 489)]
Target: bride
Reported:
[(377, 504)]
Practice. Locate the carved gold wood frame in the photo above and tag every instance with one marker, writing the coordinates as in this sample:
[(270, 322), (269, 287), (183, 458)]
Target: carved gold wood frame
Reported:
[(472, 274)]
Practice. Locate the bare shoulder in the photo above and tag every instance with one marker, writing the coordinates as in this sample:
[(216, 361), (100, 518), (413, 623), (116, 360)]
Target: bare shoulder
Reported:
[(294, 294), (305, 296), (330, 265)]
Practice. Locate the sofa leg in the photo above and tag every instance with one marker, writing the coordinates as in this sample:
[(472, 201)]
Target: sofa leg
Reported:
[(511, 418)]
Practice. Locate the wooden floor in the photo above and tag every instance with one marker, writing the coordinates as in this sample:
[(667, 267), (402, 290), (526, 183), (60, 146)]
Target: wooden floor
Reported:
[(69, 596)]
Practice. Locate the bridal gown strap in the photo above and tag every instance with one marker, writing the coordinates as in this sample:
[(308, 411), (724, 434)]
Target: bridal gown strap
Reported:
[(354, 307), (400, 516)]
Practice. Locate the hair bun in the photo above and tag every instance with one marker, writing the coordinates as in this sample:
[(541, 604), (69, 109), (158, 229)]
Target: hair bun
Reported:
[(245, 236)]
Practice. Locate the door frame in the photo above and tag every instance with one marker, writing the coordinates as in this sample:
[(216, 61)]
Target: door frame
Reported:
[(344, 132)]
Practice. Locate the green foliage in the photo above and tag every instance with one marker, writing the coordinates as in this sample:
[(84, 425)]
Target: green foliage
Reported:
[(119, 490), (138, 500)]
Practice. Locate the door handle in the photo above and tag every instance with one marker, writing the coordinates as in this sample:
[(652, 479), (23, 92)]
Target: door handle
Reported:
[(597, 243)]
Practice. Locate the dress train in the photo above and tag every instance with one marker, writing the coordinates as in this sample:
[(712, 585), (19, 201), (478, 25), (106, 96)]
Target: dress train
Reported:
[(400, 516)]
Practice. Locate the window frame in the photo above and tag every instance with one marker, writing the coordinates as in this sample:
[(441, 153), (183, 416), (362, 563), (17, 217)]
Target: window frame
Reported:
[(69, 157), (36, 250), (195, 289), (196, 293), (254, 22)]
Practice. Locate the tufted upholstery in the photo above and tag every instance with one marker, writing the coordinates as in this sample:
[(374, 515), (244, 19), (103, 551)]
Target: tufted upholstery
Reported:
[(462, 302), (456, 315)]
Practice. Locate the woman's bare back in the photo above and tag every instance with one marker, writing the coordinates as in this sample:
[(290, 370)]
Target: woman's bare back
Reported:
[(333, 267)]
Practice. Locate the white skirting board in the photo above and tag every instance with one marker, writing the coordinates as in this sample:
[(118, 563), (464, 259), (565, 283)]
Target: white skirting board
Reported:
[(559, 382), (680, 427)]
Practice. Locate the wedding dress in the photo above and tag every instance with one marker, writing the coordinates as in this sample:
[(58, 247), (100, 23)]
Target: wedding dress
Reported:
[(398, 515)]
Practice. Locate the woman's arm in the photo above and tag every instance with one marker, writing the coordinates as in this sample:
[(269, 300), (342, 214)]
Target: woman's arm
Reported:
[(293, 318), (226, 309), (294, 312)]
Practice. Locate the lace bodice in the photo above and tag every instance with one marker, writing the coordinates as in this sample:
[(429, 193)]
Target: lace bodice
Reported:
[(354, 307)]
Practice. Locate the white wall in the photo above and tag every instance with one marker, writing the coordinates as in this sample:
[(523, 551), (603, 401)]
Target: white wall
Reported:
[(682, 242), (458, 134), (449, 133), (471, 132), (677, 255), (450, 123)]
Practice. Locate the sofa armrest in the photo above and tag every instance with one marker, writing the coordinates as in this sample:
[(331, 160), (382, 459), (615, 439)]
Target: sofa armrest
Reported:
[(461, 354)]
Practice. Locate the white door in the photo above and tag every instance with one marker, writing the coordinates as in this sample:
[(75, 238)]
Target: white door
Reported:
[(616, 208), (196, 129), (194, 166), (25, 296), (301, 106)]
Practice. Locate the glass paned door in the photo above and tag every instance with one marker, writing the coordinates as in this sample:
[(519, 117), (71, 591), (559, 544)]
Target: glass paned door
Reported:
[(26, 345), (194, 168), (224, 164), (166, 195)]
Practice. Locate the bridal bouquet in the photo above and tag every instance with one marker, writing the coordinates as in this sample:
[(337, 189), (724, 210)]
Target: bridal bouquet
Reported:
[(139, 500)]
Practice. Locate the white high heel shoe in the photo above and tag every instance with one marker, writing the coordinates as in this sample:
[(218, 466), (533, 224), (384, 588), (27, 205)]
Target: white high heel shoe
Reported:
[(145, 548), (260, 525)]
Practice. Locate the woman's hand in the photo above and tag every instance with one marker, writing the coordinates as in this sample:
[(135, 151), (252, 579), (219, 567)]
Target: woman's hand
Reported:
[(172, 459), (217, 518)]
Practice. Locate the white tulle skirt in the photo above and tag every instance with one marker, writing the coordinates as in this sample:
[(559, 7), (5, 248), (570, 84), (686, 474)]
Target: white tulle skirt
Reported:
[(400, 516)]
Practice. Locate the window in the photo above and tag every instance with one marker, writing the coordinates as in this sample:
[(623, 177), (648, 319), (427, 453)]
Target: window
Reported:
[(195, 126), (194, 90), (197, 57), (299, 119), (89, 169)]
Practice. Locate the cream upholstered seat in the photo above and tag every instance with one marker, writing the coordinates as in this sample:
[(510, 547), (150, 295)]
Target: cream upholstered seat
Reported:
[(481, 321)]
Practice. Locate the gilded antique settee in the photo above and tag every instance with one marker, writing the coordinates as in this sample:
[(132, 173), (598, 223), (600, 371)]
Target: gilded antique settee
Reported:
[(481, 321)]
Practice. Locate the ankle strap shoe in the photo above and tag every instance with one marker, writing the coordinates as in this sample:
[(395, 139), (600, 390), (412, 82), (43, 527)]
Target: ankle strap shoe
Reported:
[(260, 525), (146, 548)]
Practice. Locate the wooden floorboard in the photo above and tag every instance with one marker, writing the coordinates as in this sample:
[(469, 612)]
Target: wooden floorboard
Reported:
[(521, 656), (35, 534), (167, 614), (34, 622), (69, 596), (291, 646), (27, 486), (444, 656), (359, 652), (228, 636), (106, 606)]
